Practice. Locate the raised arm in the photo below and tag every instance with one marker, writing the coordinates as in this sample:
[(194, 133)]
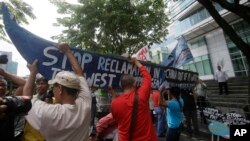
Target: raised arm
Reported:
[(162, 102), (16, 79), (144, 89), (29, 85), (195, 95), (66, 50)]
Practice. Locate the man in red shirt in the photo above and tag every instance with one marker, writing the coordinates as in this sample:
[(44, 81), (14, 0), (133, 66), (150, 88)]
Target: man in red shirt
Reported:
[(122, 107)]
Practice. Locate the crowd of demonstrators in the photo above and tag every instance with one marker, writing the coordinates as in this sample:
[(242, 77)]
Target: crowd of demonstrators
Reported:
[(222, 77), (134, 125), (72, 112), (69, 118), (104, 123), (174, 107), (106, 128), (23, 130), (201, 91), (160, 114)]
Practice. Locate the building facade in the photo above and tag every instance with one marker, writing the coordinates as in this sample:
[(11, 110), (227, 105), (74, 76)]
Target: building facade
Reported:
[(11, 65), (208, 43)]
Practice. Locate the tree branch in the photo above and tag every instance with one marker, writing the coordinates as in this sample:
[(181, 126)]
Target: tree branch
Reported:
[(244, 47), (236, 8)]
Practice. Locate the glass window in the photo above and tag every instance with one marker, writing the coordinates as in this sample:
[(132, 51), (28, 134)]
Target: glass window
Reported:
[(231, 45), (192, 67), (238, 64), (204, 57), (186, 67), (197, 16), (199, 68), (207, 67), (245, 62), (197, 59), (198, 43), (238, 59), (200, 64), (235, 55)]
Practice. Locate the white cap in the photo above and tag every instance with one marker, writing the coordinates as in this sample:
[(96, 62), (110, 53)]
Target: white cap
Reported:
[(67, 79)]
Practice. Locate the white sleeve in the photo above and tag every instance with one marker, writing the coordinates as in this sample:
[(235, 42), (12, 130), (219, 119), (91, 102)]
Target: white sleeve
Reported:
[(34, 116)]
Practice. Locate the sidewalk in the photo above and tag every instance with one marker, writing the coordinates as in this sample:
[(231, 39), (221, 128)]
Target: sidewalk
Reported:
[(184, 137)]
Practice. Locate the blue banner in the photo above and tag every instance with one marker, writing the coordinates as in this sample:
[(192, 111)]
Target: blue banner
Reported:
[(100, 70), (180, 55)]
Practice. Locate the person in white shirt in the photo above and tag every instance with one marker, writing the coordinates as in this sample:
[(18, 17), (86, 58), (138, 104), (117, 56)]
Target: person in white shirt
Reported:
[(69, 118), (222, 77), (200, 89)]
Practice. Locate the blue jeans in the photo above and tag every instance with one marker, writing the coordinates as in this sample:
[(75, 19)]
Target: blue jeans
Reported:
[(161, 121), (173, 134)]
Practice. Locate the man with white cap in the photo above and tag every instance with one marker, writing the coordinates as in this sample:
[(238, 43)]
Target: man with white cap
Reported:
[(69, 118)]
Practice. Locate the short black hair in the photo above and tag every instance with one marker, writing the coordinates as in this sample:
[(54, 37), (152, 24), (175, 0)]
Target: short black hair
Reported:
[(41, 79), (175, 91)]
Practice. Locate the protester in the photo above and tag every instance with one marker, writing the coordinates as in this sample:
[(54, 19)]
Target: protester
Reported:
[(19, 119), (93, 113), (200, 90), (164, 90), (3, 107), (190, 112), (103, 102), (222, 77), (23, 128), (3, 86), (106, 128), (31, 134), (151, 107), (160, 114), (11, 107), (174, 106), (69, 118), (122, 108)]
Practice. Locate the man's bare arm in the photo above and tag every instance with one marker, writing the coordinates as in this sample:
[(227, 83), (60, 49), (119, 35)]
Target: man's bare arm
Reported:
[(76, 66), (16, 79), (29, 85)]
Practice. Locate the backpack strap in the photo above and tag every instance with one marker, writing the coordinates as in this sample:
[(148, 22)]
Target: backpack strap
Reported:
[(134, 116)]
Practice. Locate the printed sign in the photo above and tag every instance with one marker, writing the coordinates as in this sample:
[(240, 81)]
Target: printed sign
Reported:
[(230, 118)]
